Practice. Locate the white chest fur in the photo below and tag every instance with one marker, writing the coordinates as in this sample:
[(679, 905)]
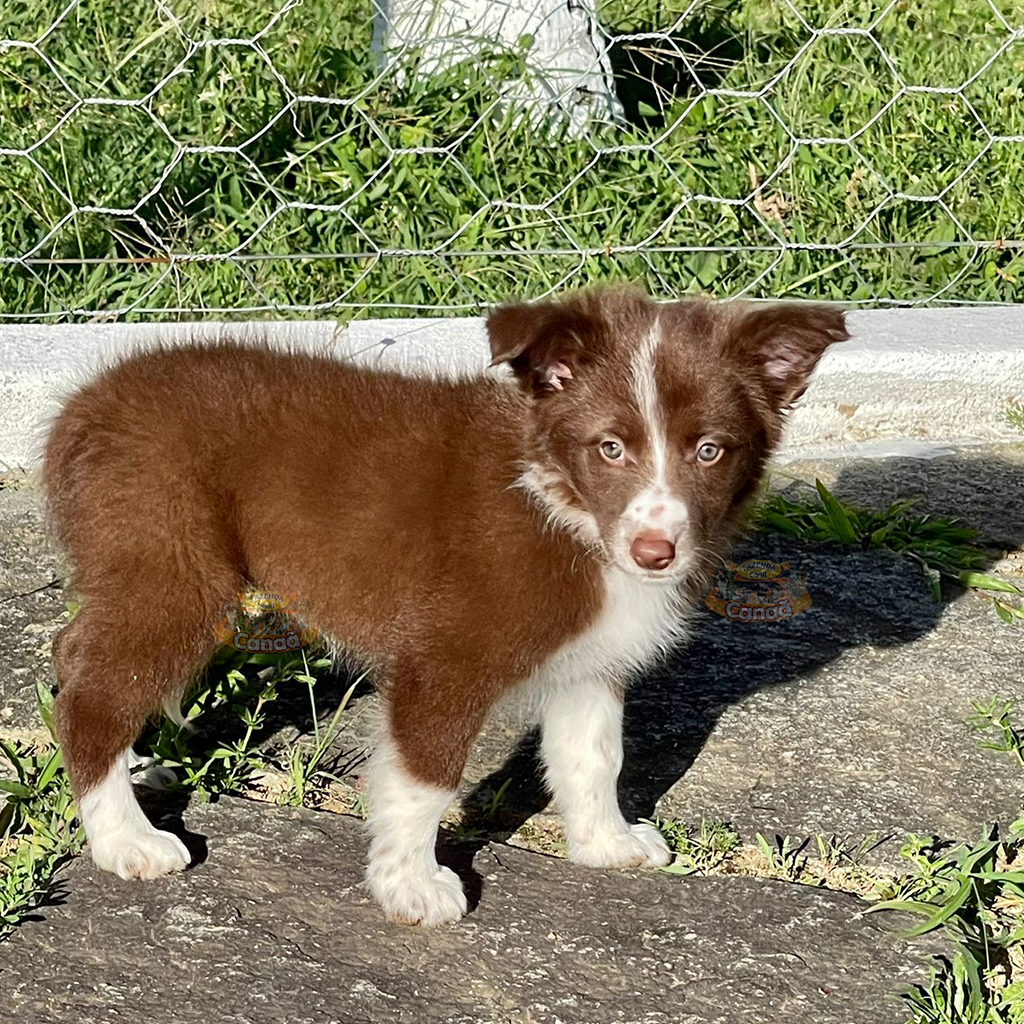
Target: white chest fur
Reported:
[(638, 621)]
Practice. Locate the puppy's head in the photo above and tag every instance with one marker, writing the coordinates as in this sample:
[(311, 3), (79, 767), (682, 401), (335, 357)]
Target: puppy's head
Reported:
[(652, 423)]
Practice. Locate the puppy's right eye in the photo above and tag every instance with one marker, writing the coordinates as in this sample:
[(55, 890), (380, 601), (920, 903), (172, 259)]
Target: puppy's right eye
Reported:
[(612, 450), (708, 452)]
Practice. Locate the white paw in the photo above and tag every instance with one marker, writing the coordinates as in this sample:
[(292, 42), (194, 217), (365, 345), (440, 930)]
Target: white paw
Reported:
[(428, 897), (140, 854), (642, 846)]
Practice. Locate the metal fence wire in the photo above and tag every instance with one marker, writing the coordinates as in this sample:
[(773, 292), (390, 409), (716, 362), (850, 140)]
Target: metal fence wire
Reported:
[(189, 158)]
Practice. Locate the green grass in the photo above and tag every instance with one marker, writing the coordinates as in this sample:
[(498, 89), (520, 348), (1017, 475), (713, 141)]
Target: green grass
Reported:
[(714, 848), (975, 894), (697, 851), (943, 547), (306, 767), (39, 832), (235, 697), (509, 207), (1015, 417), (784, 858)]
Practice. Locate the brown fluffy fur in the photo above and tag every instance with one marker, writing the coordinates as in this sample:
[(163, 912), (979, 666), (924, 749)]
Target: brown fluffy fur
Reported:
[(181, 476)]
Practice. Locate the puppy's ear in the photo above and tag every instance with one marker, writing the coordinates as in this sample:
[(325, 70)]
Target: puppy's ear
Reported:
[(784, 341), (545, 343)]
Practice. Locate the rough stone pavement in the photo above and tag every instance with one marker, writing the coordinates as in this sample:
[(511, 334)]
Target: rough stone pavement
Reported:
[(848, 719), (276, 929)]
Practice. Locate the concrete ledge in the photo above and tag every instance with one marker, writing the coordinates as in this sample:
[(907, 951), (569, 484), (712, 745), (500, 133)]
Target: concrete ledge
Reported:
[(908, 382)]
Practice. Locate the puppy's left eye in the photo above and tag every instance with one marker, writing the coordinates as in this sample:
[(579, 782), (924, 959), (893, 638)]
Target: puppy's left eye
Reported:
[(612, 450), (708, 451)]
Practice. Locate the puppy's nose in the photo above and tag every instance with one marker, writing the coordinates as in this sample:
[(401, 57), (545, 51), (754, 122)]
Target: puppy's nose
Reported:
[(652, 552)]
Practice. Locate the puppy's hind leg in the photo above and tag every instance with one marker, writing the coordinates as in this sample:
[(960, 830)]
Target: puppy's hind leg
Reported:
[(121, 838), (117, 662)]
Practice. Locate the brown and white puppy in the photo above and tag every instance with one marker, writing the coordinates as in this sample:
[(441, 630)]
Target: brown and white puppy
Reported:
[(545, 533)]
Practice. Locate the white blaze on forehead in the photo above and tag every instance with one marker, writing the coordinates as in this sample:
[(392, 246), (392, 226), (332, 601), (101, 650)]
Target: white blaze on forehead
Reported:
[(648, 400), (654, 507)]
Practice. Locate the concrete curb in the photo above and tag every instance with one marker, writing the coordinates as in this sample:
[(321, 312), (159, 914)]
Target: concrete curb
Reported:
[(910, 381)]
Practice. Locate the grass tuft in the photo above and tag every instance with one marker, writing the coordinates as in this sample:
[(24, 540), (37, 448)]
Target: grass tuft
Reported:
[(697, 852), (39, 832), (1015, 417), (943, 547)]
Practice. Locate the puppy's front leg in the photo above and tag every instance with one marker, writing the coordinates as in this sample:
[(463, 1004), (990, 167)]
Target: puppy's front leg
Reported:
[(581, 746), (412, 780), (402, 873)]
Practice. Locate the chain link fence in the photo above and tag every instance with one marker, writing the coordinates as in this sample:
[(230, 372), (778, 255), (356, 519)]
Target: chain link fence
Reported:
[(192, 158)]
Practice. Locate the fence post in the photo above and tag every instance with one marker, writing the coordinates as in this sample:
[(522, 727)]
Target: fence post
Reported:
[(569, 76)]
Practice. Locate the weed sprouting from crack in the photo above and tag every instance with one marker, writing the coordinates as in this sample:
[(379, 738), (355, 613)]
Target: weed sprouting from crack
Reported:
[(943, 547)]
